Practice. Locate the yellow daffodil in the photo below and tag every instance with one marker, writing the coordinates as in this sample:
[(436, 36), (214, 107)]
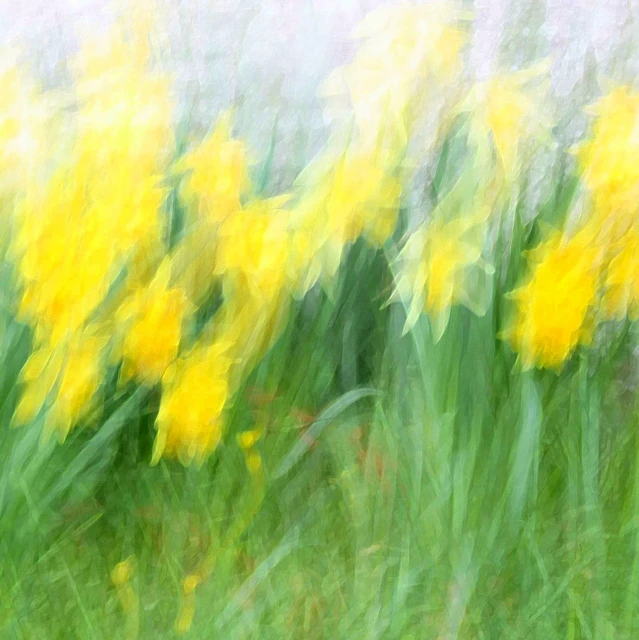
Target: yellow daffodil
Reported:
[(194, 392), (216, 173), (621, 295), (152, 320), (553, 306), (510, 109), (608, 161), (403, 48), (435, 265), (68, 377)]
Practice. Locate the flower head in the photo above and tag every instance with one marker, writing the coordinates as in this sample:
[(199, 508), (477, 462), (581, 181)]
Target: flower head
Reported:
[(216, 173), (509, 109), (552, 307), (194, 392), (353, 195), (608, 161), (66, 378), (402, 48), (152, 319), (621, 296), (435, 265)]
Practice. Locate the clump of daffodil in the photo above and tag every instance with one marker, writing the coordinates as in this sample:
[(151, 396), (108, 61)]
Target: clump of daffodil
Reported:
[(65, 379), (195, 390), (510, 111), (435, 264), (216, 173), (151, 320), (403, 50), (98, 214), (608, 161), (554, 305), (102, 207)]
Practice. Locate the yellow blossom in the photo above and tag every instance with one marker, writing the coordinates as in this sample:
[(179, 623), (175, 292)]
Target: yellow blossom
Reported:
[(194, 392), (403, 47), (345, 198), (216, 173), (552, 307), (65, 260), (253, 249), (152, 319), (510, 108), (608, 160), (193, 262), (435, 265), (67, 377), (122, 572), (124, 122), (622, 278), (79, 383), (362, 197)]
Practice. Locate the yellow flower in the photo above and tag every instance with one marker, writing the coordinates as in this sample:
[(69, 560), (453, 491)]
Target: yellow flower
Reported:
[(132, 215), (38, 377), (193, 262), (552, 307), (101, 210), (65, 259), (362, 197), (511, 110), (122, 572), (67, 377), (217, 173), (622, 278), (194, 392), (152, 320), (79, 383), (254, 261), (403, 48), (124, 121), (122, 146), (435, 264), (253, 249), (250, 327), (608, 160), (345, 198)]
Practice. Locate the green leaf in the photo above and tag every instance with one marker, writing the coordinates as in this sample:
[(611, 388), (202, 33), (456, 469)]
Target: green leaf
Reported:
[(323, 420)]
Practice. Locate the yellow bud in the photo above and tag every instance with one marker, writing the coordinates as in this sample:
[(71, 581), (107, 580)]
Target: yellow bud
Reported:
[(122, 572), (248, 439), (190, 583)]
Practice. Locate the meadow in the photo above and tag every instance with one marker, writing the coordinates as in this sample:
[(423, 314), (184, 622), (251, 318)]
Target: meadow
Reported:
[(396, 398)]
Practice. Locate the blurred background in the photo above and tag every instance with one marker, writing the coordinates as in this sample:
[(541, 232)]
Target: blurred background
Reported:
[(269, 58)]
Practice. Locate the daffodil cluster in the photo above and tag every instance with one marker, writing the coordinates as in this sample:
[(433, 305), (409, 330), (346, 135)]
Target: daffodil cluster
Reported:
[(103, 282), (105, 277)]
